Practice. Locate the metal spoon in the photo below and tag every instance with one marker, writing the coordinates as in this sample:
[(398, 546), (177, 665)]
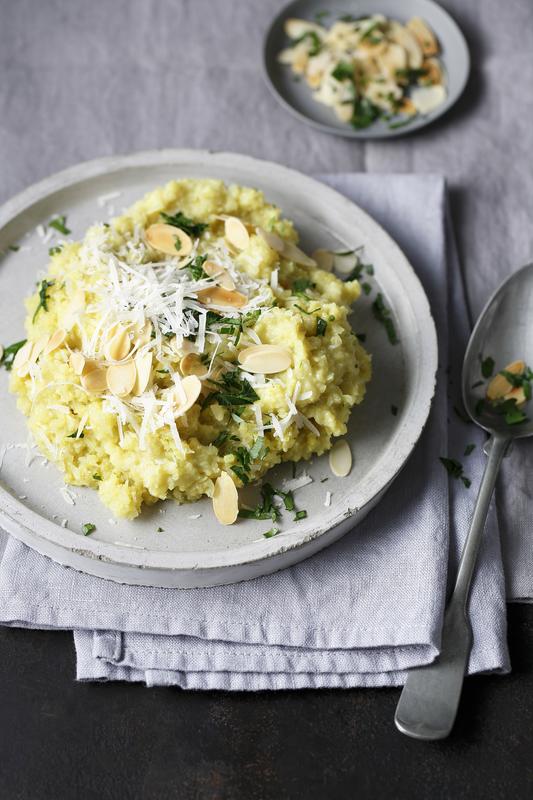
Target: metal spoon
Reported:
[(504, 331)]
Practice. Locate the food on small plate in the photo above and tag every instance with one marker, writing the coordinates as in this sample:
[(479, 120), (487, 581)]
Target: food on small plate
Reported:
[(368, 68), (508, 391), (185, 349)]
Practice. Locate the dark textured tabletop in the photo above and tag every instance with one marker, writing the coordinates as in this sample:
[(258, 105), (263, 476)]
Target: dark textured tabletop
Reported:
[(86, 79)]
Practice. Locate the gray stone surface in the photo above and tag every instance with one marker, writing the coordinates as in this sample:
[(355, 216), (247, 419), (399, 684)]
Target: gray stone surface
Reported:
[(84, 79)]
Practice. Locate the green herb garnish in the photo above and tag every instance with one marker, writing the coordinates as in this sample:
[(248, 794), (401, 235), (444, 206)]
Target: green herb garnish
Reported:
[(383, 315), (97, 477), (343, 71), (59, 223), (75, 435), (270, 533), (316, 44), (160, 530), (469, 449), (233, 391), (53, 251), (196, 267), (300, 286), (88, 528), (366, 287), (43, 297), (487, 367), (364, 113), (321, 326), (8, 356), (179, 220), (300, 515)]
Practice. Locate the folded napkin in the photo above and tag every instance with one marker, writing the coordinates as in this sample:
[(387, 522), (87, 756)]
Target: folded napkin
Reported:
[(360, 613)]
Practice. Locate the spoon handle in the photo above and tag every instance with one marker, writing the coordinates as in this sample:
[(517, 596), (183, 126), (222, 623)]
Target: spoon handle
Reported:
[(430, 697)]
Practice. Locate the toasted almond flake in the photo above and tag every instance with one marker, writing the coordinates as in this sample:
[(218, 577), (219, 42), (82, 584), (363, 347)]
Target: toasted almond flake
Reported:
[(38, 348), (118, 346), (293, 253), (428, 98), (236, 233), (77, 361), (143, 333), (219, 274), (404, 37), (216, 295), (185, 399), (433, 71), (191, 364), (424, 35), (225, 499), (340, 458), (143, 368), (121, 378), (324, 259), (21, 362), (165, 238), (499, 387), (94, 380), (55, 341), (274, 241), (517, 394), (265, 359)]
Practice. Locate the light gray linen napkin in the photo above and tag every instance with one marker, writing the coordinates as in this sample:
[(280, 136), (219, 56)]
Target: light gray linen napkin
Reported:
[(361, 612)]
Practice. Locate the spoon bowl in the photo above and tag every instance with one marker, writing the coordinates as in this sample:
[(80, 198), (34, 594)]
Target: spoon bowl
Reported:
[(504, 332)]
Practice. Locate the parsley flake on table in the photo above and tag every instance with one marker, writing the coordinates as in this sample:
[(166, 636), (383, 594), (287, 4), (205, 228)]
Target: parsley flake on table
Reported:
[(455, 469), (469, 449)]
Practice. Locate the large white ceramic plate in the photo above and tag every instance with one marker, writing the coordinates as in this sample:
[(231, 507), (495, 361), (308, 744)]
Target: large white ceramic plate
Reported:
[(296, 96), (200, 552)]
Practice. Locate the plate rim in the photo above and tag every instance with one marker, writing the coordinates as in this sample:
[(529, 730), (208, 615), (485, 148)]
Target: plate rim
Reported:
[(365, 134), (21, 520)]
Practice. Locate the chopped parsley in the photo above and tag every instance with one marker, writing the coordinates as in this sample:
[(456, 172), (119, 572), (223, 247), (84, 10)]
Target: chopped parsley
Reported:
[(97, 477), (53, 251), (321, 326), (14, 247), (8, 356), (410, 75), (383, 315), (510, 412), (487, 367), (270, 533), (366, 287), (304, 311), (236, 325), (300, 286), (60, 225), (223, 437), (266, 508), (343, 71), (232, 392), (179, 220), (300, 515), (364, 113), (43, 297), (244, 457), (196, 266), (75, 435), (314, 38), (469, 449), (160, 530), (455, 469), (88, 528)]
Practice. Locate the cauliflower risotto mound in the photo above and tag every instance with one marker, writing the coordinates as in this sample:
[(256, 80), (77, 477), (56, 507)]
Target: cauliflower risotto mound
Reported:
[(188, 338)]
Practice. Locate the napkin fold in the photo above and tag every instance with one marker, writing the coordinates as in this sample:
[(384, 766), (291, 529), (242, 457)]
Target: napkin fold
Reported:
[(360, 613)]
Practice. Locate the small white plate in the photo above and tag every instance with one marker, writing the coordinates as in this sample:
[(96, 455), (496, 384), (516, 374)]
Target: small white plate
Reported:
[(200, 552), (296, 96)]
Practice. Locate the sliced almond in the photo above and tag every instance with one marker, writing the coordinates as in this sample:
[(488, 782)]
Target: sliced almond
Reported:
[(187, 395), (346, 262), (517, 394), (424, 35), (95, 380), (38, 348), (324, 259), (404, 37), (121, 378), (265, 359), (274, 241), (499, 387), (119, 345), (407, 107), (21, 362), (393, 59), (293, 253), (143, 333), (428, 98), (143, 368), (225, 499), (217, 296), (340, 458), (236, 233), (191, 364), (77, 361), (219, 274), (183, 347), (55, 341), (168, 239)]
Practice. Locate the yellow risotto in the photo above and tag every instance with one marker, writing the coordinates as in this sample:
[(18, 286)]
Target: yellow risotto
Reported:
[(185, 349)]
